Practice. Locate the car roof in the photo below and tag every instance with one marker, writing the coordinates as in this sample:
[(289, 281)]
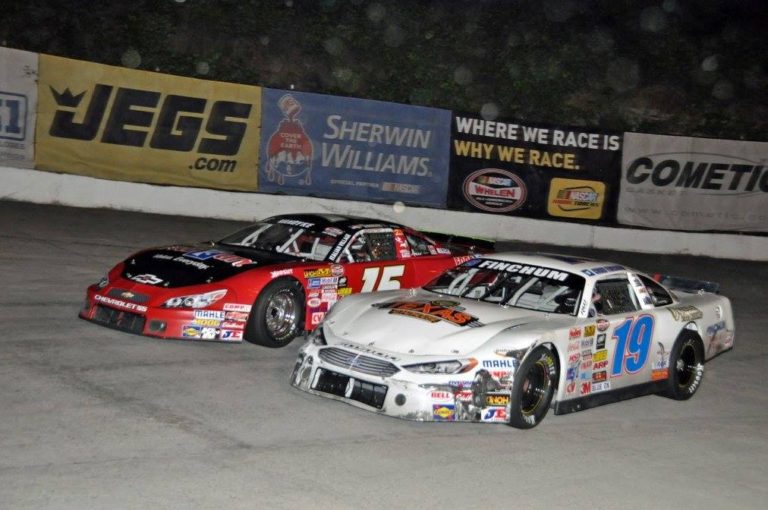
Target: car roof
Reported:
[(344, 222), (583, 266)]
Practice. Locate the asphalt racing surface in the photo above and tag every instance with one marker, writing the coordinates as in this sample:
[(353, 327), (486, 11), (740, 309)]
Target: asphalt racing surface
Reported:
[(96, 418)]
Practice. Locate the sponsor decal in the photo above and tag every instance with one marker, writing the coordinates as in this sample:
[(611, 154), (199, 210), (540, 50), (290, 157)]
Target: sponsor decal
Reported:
[(318, 273), (573, 198), (586, 343), (191, 331), (207, 322), (494, 190), (314, 302), (236, 316), (600, 355), (210, 314), (337, 270), (194, 263), (376, 352), (599, 365), (441, 396), (603, 324), (586, 388), (659, 374), (280, 272), (574, 333), (431, 311), (600, 376), (602, 269), (500, 363), (600, 343), (229, 258), (316, 318), (685, 313), (495, 414), (148, 279), (512, 267), (497, 399), (601, 386), (227, 334), (443, 412), (236, 307), (345, 291), (119, 303), (589, 330), (232, 325)]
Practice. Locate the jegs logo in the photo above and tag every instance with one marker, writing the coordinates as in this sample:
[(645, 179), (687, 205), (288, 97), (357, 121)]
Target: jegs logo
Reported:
[(145, 118)]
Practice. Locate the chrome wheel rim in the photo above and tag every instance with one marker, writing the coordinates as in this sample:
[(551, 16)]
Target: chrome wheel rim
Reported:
[(281, 314)]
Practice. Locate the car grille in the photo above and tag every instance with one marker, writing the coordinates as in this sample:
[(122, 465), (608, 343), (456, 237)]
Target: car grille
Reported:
[(357, 362), (119, 319), (128, 295), (367, 393)]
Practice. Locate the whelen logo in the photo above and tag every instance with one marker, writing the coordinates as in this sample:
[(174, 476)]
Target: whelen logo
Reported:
[(141, 118), (494, 190)]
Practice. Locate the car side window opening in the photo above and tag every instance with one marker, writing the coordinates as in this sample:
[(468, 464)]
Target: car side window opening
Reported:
[(659, 295), (419, 245), (369, 246), (613, 296)]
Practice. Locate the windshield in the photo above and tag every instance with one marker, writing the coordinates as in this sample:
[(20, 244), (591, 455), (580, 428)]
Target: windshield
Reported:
[(287, 237), (510, 284)]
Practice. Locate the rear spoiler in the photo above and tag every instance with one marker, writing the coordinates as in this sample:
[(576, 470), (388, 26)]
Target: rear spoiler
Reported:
[(464, 244), (688, 285)]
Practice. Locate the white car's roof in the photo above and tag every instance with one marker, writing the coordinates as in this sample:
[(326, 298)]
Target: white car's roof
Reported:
[(570, 263)]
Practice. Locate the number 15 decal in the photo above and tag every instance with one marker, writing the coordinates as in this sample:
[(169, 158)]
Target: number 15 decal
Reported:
[(633, 342), (382, 278)]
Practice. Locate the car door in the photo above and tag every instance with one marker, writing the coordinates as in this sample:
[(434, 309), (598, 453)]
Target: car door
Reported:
[(625, 345)]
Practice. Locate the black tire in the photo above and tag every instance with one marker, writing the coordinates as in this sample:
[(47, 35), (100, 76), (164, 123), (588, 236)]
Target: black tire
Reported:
[(533, 389), (686, 367), (277, 317)]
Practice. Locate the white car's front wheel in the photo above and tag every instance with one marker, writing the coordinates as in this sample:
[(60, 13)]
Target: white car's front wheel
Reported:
[(533, 389)]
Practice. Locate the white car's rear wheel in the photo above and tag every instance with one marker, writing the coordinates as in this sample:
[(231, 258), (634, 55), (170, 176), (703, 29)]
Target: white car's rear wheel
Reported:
[(686, 367)]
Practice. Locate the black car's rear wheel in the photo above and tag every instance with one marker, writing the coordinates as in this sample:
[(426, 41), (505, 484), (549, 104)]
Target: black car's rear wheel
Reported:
[(533, 389), (277, 316)]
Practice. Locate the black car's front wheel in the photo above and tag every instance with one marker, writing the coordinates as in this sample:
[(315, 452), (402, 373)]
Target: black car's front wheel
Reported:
[(278, 314), (533, 389)]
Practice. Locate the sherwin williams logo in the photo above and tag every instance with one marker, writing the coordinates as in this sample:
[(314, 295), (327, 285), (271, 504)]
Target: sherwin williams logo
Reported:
[(145, 118), (494, 190), (575, 198)]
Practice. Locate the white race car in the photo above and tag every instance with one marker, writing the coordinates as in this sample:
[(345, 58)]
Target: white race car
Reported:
[(504, 337)]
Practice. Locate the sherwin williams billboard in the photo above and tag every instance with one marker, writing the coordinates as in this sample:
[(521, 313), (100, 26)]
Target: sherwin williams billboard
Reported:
[(682, 183), (541, 171), (349, 148), (18, 104), (123, 124)]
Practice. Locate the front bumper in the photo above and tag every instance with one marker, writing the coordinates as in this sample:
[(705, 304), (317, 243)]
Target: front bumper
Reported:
[(405, 395), (106, 307)]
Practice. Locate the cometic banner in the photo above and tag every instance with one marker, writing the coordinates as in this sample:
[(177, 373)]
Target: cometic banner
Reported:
[(682, 183), (349, 148), (123, 124), (542, 171), (18, 104)]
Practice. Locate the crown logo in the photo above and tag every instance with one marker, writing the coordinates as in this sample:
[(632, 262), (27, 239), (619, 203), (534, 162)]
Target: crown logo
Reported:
[(66, 98)]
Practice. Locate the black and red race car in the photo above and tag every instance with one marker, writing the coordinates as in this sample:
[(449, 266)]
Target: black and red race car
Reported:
[(269, 282)]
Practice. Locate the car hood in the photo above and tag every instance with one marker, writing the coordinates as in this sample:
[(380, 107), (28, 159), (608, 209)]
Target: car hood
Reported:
[(425, 323), (177, 266)]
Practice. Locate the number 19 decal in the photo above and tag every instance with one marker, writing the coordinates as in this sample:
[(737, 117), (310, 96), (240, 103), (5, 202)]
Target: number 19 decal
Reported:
[(633, 343), (387, 281)]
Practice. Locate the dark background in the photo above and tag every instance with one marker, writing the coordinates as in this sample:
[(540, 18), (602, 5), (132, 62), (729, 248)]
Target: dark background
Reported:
[(695, 68)]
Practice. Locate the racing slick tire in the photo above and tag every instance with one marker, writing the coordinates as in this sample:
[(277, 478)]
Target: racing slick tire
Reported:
[(277, 316), (533, 389), (686, 367)]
